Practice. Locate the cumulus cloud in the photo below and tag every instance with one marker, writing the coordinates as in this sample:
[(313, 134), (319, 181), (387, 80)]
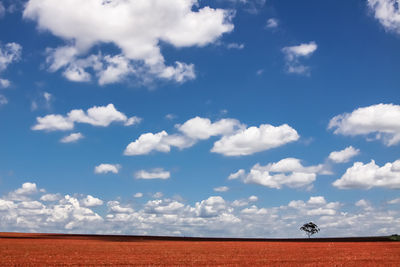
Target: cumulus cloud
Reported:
[(9, 53), (212, 216), (203, 128), (136, 27), (100, 116), (106, 168), (383, 120), (255, 139), (236, 139), (221, 189), (91, 201), (344, 155), (286, 172), (293, 54), (191, 131), (157, 173), (50, 197), (387, 12), (366, 176), (161, 142), (72, 138)]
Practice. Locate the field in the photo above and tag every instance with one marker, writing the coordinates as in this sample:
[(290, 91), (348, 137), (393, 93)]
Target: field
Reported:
[(53, 249)]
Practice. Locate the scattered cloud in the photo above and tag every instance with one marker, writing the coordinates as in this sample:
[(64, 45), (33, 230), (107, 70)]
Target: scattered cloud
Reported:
[(106, 168), (157, 173), (387, 12), (91, 201), (203, 128), (136, 29), (383, 120), (293, 54), (236, 139), (272, 23), (286, 172), (100, 116), (221, 189), (213, 216), (255, 139), (9, 53), (344, 155), (72, 138), (366, 176)]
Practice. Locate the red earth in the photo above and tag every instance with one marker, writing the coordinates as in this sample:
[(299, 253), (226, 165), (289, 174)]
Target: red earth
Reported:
[(52, 249)]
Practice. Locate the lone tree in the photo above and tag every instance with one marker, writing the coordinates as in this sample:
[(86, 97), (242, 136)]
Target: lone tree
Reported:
[(310, 229)]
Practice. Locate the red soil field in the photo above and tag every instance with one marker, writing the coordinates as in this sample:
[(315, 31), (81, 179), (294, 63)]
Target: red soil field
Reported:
[(51, 249)]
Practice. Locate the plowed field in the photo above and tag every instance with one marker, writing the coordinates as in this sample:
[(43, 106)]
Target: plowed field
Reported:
[(45, 249)]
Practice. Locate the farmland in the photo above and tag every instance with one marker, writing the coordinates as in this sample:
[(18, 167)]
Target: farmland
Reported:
[(54, 249)]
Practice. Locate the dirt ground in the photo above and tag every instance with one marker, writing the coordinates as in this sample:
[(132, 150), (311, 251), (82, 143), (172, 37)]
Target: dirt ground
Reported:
[(44, 249)]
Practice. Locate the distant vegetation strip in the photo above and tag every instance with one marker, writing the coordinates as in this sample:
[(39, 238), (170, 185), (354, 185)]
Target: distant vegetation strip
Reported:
[(133, 238)]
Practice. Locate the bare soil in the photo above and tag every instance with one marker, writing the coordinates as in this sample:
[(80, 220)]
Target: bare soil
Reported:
[(18, 249)]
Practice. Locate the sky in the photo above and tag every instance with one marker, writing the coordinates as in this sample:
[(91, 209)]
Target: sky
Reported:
[(227, 118)]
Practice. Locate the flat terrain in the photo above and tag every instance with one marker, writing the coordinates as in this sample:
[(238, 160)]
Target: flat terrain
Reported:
[(53, 249)]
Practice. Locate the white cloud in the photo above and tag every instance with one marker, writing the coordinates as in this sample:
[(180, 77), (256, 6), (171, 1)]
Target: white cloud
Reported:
[(255, 139), (50, 197), (293, 55), (136, 27), (53, 123), (272, 23), (101, 116), (158, 195), (211, 207), (27, 189), (394, 201), (381, 119), (91, 201), (9, 53), (4, 83), (157, 173), (286, 172), (213, 216), (239, 174), (236, 139), (221, 189), (192, 130), (74, 137), (344, 155), (366, 176), (148, 142), (106, 168), (170, 116), (138, 195), (203, 128), (387, 12)]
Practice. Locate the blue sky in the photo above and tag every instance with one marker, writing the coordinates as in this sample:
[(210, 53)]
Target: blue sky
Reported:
[(200, 118)]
